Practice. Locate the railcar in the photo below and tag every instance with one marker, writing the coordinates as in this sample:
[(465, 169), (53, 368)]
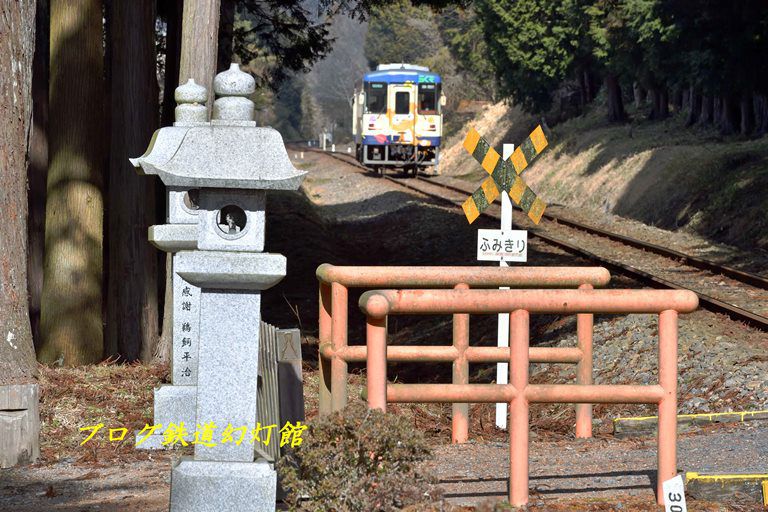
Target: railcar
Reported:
[(397, 118)]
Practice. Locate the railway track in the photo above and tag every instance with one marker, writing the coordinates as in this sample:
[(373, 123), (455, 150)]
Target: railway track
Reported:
[(742, 296)]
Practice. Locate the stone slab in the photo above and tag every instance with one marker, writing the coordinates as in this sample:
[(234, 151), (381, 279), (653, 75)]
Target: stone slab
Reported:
[(175, 404), (228, 369), (19, 424), (207, 486), (230, 270), (725, 488), (291, 387), (186, 330), (646, 425), (173, 237)]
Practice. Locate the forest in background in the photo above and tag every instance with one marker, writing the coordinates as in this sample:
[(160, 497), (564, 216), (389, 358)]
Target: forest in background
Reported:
[(104, 72), (701, 57)]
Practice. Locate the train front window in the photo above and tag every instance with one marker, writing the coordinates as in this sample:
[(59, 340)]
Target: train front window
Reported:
[(402, 103), (375, 98), (428, 98)]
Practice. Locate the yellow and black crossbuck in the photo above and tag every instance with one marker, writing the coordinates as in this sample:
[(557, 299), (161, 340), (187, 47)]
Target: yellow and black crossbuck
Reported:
[(504, 175)]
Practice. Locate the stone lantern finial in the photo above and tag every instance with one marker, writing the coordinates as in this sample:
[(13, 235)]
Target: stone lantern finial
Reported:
[(233, 88), (190, 100)]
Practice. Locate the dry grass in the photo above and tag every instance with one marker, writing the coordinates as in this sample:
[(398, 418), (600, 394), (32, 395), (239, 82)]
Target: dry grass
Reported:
[(660, 173), (119, 396)]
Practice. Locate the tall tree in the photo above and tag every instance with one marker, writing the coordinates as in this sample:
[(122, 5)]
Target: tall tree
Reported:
[(534, 45), (132, 307), (198, 54), (400, 32), (17, 24), (278, 38), (71, 310), (171, 11), (38, 166), (199, 43)]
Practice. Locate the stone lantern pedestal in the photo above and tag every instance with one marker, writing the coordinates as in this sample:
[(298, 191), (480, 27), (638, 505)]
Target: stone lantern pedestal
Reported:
[(218, 173)]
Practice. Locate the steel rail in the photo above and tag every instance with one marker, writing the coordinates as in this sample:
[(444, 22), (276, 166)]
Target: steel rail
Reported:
[(755, 280), (708, 302)]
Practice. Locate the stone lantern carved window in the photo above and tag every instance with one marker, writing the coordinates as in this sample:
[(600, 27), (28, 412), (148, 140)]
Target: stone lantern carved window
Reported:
[(232, 221), (191, 201)]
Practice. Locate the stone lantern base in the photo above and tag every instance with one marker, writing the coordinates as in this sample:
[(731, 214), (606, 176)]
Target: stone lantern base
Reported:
[(213, 486)]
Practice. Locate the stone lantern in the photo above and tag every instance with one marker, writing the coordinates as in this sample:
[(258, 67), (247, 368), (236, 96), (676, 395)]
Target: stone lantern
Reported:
[(217, 173)]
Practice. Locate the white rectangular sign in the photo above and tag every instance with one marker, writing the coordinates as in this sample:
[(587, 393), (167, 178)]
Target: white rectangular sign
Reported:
[(674, 495), (502, 245)]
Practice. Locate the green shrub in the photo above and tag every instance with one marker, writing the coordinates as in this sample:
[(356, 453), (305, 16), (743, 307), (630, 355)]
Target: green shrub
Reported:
[(357, 460)]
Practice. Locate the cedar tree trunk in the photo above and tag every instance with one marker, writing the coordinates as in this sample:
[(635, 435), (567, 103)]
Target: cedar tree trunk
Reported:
[(71, 309), (707, 109), (17, 353), (37, 172), (747, 114), (132, 308), (226, 32), (615, 103), (694, 107), (729, 119), (199, 43)]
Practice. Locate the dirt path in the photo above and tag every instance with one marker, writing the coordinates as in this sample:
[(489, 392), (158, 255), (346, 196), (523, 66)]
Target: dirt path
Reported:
[(564, 471), (595, 468)]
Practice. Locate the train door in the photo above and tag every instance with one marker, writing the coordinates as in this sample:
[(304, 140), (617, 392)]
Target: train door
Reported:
[(402, 113)]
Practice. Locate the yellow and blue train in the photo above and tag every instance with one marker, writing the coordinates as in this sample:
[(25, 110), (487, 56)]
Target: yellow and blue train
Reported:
[(397, 118)]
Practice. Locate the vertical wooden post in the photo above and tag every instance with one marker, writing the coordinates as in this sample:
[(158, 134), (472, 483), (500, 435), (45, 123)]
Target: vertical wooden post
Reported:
[(324, 335), (667, 429), (584, 326), (339, 327), (518, 408), (460, 415)]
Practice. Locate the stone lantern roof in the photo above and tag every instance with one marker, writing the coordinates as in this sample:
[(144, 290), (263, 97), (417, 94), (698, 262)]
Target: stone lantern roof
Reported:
[(228, 152), (220, 156)]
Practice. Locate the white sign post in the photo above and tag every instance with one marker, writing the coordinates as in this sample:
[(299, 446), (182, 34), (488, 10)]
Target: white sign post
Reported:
[(502, 369), (674, 495)]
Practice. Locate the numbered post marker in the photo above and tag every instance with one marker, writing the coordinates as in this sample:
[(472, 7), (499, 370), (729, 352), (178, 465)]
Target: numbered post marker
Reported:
[(502, 245), (674, 495)]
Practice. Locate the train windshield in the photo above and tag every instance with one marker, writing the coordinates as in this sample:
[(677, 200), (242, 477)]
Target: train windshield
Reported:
[(428, 94), (375, 98), (402, 103)]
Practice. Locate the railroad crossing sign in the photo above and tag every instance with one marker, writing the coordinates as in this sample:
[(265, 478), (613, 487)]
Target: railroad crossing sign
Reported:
[(504, 175), (502, 245)]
